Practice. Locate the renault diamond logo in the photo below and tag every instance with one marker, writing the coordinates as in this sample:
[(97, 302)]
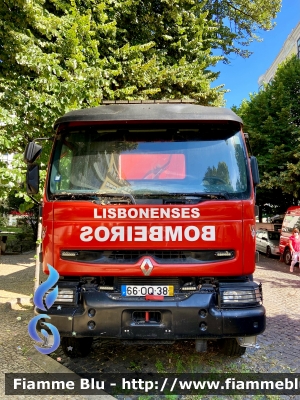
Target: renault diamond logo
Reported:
[(147, 267)]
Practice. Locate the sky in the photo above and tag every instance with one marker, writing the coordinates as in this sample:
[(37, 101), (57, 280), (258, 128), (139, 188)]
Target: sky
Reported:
[(241, 75)]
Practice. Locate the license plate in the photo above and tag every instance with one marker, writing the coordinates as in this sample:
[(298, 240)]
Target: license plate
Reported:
[(162, 290)]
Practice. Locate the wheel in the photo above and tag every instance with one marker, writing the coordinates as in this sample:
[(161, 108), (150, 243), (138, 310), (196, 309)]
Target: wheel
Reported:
[(268, 252), (230, 347), (287, 258), (76, 347)]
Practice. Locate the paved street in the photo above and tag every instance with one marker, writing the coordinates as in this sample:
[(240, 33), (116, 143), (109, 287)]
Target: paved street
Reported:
[(279, 345), (278, 348), (281, 340), (17, 353)]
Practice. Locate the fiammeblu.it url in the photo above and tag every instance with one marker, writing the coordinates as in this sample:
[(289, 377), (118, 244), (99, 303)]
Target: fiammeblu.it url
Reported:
[(175, 384)]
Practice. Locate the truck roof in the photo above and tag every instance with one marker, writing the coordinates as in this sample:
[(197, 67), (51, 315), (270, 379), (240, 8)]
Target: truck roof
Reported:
[(149, 111)]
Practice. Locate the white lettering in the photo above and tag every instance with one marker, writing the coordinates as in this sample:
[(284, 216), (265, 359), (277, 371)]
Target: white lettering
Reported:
[(141, 213), (122, 213), (195, 236), (154, 213), (175, 213), (117, 232), (96, 213), (148, 234), (86, 232), (174, 234), (165, 213), (43, 385), (17, 382), (60, 385), (156, 234), (129, 234), (112, 213), (144, 212), (91, 384), (133, 213), (208, 233), (195, 213), (104, 230), (84, 383), (31, 385), (140, 233), (185, 213)]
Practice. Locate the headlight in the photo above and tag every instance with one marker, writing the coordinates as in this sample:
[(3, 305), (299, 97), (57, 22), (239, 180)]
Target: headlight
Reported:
[(65, 296), (237, 298)]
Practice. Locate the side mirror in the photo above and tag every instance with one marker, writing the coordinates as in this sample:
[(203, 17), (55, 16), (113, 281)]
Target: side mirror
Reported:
[(32, 179), (31, 153), (254, 170)]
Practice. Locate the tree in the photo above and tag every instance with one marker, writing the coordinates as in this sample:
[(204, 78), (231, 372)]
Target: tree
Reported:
[(272, 118), (59, 55), (234, 23), (239, 23)]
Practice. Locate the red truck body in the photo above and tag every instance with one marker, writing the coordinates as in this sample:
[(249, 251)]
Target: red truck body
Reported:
[(64, 229), (148, 217)]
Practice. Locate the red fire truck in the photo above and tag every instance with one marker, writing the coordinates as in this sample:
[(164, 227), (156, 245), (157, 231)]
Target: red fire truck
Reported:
[(291, 220), (148, 217)]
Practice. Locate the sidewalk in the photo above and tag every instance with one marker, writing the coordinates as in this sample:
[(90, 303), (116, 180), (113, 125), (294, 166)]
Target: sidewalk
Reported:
[(17, 352), (279, 345)]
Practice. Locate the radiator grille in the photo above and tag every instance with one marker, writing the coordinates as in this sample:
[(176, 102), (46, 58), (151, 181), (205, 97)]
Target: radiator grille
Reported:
[(160, 256)]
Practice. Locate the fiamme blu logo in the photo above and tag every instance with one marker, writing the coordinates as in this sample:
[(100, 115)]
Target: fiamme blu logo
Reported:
[(43, 299)]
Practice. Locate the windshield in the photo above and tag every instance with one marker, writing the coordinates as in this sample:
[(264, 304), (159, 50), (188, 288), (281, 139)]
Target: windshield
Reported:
[(274, 235), (152, 161)]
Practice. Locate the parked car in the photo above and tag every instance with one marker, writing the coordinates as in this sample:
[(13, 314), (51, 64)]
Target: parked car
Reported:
[(276, 219), (291, 221), (267, 242)]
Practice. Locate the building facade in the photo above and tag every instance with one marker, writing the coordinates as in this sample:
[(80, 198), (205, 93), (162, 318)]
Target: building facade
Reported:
[(290, 46)]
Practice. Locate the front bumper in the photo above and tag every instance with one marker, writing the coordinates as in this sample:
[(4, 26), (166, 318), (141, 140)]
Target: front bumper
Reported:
[(195, 316)]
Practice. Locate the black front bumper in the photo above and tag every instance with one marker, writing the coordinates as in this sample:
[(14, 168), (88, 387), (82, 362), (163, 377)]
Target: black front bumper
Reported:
[(194, 317)]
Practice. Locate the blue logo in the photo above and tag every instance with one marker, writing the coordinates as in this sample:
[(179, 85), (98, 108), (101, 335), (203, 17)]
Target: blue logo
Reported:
[(49, 300)]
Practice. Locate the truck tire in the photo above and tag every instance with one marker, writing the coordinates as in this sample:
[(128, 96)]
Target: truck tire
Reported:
[(76, 347), (230, 347), (287, 258)]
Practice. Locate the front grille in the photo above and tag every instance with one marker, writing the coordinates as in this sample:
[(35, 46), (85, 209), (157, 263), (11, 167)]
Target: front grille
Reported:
[(160, 256)]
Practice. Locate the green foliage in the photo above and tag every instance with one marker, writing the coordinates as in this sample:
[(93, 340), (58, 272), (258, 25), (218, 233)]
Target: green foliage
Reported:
[(239, 23), (272, 118), (3, 221), (59, 55)]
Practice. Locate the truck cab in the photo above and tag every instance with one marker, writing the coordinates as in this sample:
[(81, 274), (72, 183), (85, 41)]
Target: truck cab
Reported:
[(148, 218)]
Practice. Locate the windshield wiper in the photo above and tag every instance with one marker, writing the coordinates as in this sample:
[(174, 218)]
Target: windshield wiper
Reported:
[(94, 196), (211, 196)]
